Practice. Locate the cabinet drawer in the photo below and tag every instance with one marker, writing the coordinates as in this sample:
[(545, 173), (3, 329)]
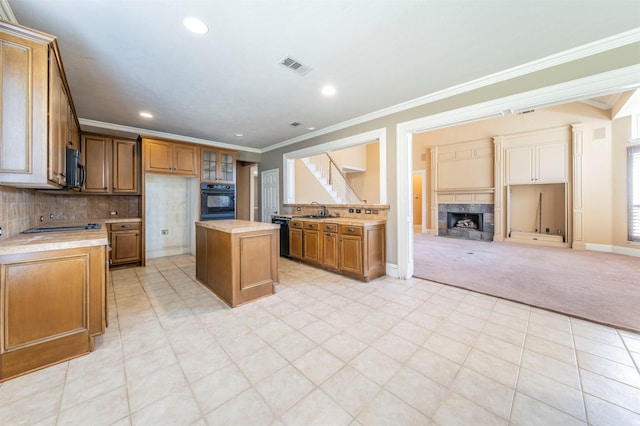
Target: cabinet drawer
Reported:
[(125, 226), (330, 227), (312, 225), (350, 230), (295, 224)]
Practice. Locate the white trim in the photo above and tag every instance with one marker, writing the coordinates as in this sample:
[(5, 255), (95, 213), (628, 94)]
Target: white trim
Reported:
[(380, 135), (609, 82), (392, 270), (599, 46), (6, 13), (613, 249), (164, 135)]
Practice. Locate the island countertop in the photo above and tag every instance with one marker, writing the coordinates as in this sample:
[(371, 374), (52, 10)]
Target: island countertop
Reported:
[(233, 226)]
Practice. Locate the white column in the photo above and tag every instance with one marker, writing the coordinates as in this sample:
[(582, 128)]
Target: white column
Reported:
[(578, 205), (498, 196)]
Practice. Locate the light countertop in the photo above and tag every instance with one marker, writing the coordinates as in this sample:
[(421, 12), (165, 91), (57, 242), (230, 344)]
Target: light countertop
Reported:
[(28, 243), (233, 226), (343, 220)]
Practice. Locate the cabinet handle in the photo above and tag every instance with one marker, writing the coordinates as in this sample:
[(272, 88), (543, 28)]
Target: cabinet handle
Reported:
[(329, 234), (351, 230), (126, 226), (311, 225)]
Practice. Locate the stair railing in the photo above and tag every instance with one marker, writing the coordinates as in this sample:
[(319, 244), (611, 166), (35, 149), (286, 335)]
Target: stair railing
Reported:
[(329, 170)]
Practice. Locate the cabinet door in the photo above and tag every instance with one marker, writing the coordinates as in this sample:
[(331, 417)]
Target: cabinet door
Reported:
[(23, 107), (520, 165), (97, 155), (125, 166), (185, 160), (227, 169), (330, 250), (351, 254), (58, 125), (311, 246), (158, 156), (552, 163), (125, 247), (295, 241), (209, 165)]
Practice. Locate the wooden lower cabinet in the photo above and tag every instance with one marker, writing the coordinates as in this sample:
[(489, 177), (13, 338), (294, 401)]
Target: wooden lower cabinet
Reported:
[(295, 239), (53, 304), (355, 250), (238, 267), (126, 243), (329, 244), (311, 252)]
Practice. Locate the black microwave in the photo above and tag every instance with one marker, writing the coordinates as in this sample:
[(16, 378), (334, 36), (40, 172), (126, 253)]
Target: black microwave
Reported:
[(75, 172)]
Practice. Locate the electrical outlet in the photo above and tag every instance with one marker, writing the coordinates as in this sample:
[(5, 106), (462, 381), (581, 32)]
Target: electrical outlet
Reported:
[(351, 210), (358, 211), (367, 211), (113, 213), (50, 215), (298, 209), (41, 218), (164, 232)]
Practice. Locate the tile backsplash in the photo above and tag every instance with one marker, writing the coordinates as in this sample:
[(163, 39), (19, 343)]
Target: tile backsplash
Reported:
[(21, 209)]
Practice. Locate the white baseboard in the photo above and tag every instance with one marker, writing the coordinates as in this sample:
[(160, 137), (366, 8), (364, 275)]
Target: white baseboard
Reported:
[(167, 252), (392, 270), (613, 249)]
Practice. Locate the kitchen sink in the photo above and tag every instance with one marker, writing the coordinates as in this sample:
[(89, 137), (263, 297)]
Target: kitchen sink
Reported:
[(62, 228)]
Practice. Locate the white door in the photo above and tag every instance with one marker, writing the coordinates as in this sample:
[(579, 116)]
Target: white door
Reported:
[(270, 193)]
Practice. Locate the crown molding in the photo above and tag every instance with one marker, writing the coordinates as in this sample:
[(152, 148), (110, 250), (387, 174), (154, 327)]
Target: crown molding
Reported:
[(163, 135), (6, 13), (599, 46)]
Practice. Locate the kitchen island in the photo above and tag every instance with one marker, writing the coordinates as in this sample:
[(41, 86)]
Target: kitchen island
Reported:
[(237, 260)]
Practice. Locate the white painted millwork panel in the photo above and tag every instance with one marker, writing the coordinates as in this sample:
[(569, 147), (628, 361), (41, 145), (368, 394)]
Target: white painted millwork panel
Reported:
[(538, 157)]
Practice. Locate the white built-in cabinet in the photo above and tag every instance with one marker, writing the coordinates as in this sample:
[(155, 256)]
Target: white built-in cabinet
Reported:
[(536, 164), (534, 187)]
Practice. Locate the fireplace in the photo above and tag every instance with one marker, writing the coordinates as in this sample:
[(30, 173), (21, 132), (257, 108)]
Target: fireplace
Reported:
[(468, 221)]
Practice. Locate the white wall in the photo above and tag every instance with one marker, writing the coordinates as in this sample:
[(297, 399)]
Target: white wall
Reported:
[(171, 203)]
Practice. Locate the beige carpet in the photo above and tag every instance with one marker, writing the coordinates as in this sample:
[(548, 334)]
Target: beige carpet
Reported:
[(600, 287)]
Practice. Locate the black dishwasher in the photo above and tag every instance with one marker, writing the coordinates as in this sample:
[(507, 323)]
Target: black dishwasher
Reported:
[(283, 221)]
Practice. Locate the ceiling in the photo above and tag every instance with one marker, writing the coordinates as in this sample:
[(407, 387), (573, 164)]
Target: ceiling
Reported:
[(126, 56)]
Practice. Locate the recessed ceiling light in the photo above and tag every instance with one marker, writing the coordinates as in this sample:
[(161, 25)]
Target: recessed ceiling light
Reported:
[(195, 25), (311, 128), (146, 114), (239, 134), (328, 90)]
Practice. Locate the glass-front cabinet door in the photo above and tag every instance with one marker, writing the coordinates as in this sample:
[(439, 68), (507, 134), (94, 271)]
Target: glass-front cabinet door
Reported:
[(218, 165)]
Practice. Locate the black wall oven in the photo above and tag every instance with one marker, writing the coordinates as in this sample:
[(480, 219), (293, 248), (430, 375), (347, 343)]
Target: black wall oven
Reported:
[(217, 201)]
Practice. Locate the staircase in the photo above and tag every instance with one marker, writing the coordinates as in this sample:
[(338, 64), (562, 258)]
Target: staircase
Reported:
[(331, 178)]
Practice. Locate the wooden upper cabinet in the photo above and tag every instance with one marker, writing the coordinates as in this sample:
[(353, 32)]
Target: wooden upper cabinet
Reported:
[(97, 161), (37, 118), (218, 165), (126, 170), (112, 165), (170, 157)]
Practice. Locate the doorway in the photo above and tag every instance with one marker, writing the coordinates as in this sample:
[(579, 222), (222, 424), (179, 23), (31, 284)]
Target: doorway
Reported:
[(270, 193), (419, 200)]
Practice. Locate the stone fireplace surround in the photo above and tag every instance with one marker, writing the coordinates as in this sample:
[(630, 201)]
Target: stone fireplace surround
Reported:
[(446, 222)]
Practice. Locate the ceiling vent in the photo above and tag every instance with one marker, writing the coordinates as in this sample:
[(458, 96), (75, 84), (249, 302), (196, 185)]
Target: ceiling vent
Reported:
[(295, 66), (294, 124)]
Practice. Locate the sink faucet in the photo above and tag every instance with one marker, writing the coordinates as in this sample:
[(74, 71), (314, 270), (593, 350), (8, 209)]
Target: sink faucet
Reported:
[(323, 209)]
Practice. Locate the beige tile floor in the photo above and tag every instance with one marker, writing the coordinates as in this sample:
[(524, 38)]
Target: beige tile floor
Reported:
[(329, 350)]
